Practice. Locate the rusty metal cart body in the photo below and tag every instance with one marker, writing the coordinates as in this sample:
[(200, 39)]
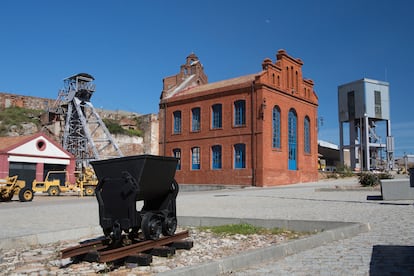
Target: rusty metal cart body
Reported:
[(125, 180)]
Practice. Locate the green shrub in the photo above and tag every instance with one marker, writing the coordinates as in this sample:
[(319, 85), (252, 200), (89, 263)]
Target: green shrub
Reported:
[(17, 116), (332, 175), (385, 175), (368, 179), (135, 132), (114, 127), (344, 171)]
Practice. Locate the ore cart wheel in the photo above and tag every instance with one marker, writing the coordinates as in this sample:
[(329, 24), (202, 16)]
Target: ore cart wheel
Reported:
[(89, 191), (25, 194), (53, 191), (169, 225), (151, 226)]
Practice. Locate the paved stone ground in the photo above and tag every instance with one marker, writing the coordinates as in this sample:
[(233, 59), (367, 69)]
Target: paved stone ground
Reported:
[(388, 249)]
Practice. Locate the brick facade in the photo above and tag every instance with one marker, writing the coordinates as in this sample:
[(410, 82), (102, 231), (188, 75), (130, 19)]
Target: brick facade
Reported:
[(279, 84)]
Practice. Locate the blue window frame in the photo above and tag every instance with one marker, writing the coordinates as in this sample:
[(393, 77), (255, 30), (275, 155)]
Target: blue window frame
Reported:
[(195, 121), (276, 128), (216, 116), (239, 156), (216, 157), (177, 154), (195, 158), (306, 126), (292, 122), (240, 113), (177, 122)]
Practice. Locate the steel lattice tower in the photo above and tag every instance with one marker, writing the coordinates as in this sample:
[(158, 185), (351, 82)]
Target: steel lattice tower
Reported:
[(85, 135)]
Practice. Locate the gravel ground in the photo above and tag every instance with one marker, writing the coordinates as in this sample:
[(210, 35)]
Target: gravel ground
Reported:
[(45, 259)]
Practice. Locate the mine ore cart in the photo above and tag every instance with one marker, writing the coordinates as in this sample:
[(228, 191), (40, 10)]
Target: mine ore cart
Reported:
[(126, 180)]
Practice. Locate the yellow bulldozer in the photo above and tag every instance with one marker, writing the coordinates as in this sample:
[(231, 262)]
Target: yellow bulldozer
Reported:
[(11, 186), (57, 182)]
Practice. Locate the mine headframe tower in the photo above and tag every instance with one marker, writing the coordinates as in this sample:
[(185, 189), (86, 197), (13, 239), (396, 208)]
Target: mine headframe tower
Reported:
[(85, 134)]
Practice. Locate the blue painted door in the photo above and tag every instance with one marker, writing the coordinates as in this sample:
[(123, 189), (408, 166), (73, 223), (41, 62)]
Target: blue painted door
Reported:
[(292, 165)]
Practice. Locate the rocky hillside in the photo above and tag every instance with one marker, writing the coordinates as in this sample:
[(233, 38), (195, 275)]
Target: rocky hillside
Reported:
[(17, 121)]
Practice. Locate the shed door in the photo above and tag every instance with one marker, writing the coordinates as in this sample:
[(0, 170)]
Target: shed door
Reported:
[(61, 176), (25, 171)]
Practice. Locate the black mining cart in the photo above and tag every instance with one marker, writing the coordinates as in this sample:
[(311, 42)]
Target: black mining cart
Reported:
[(126, 180)]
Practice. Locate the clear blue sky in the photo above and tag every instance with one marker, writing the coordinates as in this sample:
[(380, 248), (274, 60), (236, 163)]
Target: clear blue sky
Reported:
[(130, 46)]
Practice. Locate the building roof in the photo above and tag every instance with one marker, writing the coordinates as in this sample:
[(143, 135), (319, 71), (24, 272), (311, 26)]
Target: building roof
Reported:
[(329, 145), (10, 141), (29, 145), (185, 86), (218, 85)]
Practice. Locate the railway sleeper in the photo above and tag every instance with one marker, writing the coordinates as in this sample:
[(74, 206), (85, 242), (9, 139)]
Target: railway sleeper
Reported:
[(95, 251), (140, 259)]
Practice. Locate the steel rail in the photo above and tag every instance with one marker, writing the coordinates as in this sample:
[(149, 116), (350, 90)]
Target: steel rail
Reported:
[(125, 251), (83, 248), (98, 249)]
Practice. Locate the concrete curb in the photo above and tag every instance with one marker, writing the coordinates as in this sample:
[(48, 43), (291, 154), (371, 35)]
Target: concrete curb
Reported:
[(49, 237), (337, 231), (348, 189)]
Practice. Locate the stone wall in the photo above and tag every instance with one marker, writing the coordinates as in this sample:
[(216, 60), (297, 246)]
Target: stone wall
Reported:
[(13, 100)]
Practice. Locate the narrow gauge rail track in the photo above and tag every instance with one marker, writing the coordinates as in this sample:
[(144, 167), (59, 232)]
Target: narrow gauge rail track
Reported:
[(100, 250)]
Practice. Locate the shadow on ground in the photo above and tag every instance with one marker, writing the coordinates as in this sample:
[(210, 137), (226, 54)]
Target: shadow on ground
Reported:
[(392, 260)]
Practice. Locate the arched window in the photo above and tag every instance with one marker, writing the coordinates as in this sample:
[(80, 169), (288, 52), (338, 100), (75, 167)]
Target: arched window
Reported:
[(216, 117), (195, 158), (287, 77), (306, 127), (240, 113), (196, 119), (276, 128), (177, 121), (177, 154), (216, 157), (292, 122), (239, 156), (297, 81)]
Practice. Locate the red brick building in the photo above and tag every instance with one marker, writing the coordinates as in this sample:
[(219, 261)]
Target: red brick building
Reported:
[(257, 130)]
